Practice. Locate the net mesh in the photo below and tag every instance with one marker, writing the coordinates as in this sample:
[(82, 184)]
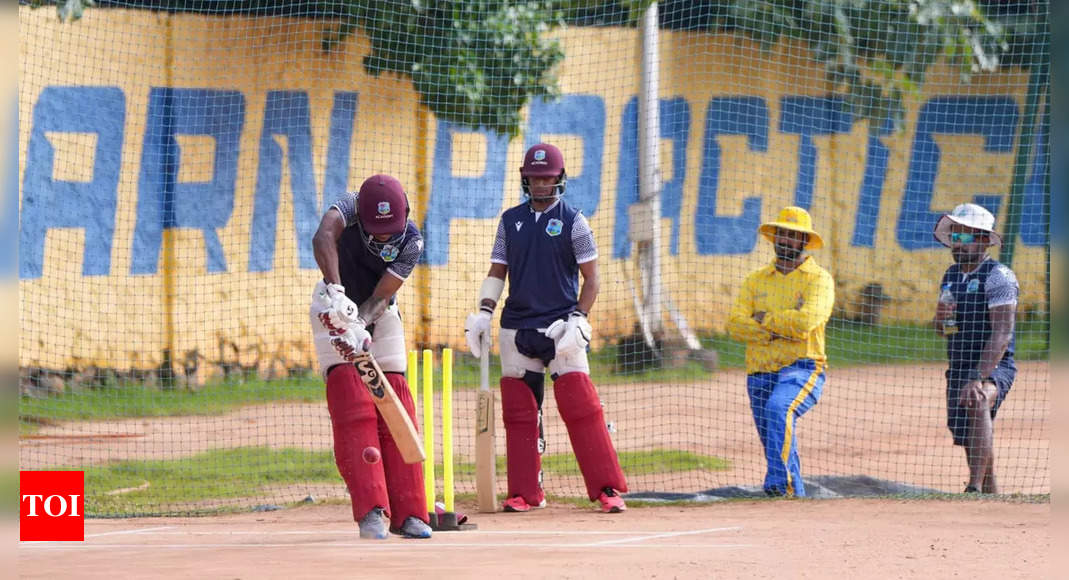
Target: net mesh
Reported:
[(175, 158)]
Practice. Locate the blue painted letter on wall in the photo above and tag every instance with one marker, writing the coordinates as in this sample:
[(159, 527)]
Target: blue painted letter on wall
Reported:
[(584, 117), (808, 117), (287, 114), (675, 125), (48, 203), (995, 118), (461, 197), (714, 233), (162, 201)]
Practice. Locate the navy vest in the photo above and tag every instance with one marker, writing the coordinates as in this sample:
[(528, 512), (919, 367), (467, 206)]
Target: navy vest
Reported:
[(543, 274), (359, 267), (965, 347)]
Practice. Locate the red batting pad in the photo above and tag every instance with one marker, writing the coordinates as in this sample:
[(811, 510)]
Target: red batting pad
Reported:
[(519, 412), (580, 407)]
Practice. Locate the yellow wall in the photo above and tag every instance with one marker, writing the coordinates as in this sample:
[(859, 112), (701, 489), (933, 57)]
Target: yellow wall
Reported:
[(118, 319)]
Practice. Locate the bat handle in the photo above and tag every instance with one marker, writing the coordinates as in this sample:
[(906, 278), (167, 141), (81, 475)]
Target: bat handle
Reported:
[(484, 365)]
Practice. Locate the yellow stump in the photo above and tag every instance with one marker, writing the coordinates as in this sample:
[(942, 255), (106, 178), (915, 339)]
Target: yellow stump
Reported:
[(412, 374), (447, 428), (428, 427)]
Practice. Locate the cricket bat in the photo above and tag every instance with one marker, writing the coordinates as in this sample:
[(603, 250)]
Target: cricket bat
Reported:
[(485, 460), (390, 407)]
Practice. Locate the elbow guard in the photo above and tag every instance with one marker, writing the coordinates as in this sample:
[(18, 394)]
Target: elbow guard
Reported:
[(490, 290)]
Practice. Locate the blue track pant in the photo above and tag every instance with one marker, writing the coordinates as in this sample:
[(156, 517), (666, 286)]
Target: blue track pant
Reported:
[(777, 400)]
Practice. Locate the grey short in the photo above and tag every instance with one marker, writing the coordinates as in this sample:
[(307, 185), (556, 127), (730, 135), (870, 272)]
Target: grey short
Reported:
[(958, 416)]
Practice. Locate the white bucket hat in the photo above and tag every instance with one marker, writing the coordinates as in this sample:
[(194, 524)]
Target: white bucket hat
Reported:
[(969, 215)]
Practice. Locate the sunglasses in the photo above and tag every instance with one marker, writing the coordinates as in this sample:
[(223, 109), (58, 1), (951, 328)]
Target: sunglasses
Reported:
[(963, 237)]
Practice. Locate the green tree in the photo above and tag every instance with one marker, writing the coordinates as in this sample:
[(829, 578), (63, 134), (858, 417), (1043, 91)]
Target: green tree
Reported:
[(477, 63), (878, 51), (473, 62)]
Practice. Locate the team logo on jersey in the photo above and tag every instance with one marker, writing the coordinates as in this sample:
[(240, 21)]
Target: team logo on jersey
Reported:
[(540, 155), (389, 253), (554, 227), (518, 226), (973, 286), (384, 207)]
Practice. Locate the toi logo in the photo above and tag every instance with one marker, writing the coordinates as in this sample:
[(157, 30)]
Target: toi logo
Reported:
[(51, 506)]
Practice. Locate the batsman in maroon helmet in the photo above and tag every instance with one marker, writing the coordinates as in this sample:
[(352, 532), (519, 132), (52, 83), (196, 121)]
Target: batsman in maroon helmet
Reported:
[(366, 247), (543, 245)]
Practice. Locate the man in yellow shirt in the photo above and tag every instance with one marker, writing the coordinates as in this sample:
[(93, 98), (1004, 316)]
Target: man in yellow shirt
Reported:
[(780, 314)]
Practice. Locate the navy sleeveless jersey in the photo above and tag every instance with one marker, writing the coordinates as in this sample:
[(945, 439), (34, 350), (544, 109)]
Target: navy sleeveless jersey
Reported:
[(542, 268), (990, 284), (360, 267)]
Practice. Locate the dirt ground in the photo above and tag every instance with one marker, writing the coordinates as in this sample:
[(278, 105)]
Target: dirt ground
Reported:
[(886, 422), (859, 538)]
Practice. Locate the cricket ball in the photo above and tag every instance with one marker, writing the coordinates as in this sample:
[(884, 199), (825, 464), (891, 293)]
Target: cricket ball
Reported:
[(372, 455)]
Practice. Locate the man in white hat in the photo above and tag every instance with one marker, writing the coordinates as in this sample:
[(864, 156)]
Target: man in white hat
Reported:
[(976, 314), (780, 314)]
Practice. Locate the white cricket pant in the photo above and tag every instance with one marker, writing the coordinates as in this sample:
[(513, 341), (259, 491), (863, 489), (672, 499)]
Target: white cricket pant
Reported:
[(514, 364)]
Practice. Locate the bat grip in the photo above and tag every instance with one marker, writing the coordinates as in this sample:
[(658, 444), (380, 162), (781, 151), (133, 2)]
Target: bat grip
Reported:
[(484, 365)]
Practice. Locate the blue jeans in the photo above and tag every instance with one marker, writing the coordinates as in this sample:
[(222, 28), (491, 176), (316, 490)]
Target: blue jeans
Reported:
[(777, 399)]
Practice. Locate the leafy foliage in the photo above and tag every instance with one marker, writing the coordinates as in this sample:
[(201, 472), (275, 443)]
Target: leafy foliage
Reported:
[(877, 51), (477, 63), (474, 62)]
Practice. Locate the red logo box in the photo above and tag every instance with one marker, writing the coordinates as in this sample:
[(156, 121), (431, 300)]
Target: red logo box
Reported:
[(51, 506)]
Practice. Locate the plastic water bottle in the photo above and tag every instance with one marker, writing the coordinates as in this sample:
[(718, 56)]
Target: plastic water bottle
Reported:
[(946, 297)]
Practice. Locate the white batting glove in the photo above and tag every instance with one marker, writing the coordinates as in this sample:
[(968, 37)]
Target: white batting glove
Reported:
[(348, 341), (343, 312), (571, 335), (477, 330), (351, 342)]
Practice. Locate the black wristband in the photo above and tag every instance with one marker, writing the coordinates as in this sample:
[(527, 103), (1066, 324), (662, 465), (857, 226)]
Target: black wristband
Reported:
[(486, 309), (579, 312), (974, 375)]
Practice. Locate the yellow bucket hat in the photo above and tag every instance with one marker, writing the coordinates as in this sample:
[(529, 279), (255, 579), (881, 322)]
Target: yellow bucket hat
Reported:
[(793, 218)]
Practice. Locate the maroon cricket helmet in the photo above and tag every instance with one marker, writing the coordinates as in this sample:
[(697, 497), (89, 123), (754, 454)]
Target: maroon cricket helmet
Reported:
[(543, 160), (382, 206)]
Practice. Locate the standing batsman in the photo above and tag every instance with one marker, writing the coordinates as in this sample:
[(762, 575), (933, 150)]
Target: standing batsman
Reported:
[(982, 305), (366, 247), (780, 314), (543, 245)]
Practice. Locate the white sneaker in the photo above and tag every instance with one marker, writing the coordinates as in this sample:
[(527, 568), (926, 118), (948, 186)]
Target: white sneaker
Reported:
[(414, 528), (373, 525)]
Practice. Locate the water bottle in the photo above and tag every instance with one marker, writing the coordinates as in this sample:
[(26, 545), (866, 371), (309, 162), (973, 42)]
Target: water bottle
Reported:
[(946, 297)]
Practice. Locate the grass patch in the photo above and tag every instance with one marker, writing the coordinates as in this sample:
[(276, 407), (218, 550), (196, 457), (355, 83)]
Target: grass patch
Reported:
[(632, 462), (134, 400), (848, 344), (642, 462), (236, 474), (213, 475), (852, 344)]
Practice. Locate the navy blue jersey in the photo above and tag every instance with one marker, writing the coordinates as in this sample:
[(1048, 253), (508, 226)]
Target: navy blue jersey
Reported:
[(543, 253), (361, 264), (991, 284)]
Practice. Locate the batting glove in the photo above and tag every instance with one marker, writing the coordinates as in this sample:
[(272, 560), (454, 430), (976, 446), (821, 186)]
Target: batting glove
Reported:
[(351, 343), (343, 312), (477, 330), (571, 335), (347, 341)]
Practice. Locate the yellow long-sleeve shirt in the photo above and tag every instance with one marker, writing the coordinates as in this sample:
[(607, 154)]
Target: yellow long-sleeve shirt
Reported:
[(796, 306)]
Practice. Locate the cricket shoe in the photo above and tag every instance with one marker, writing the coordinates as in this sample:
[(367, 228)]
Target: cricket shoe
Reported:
[(373, 525), (611, 502), (413, 528), (518, 504)]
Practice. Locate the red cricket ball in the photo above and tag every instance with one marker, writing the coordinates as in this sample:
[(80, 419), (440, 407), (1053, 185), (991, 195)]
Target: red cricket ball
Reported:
[(372, 455)]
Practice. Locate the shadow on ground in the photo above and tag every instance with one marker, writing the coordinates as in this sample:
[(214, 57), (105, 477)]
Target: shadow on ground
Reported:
[(820, 487)]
